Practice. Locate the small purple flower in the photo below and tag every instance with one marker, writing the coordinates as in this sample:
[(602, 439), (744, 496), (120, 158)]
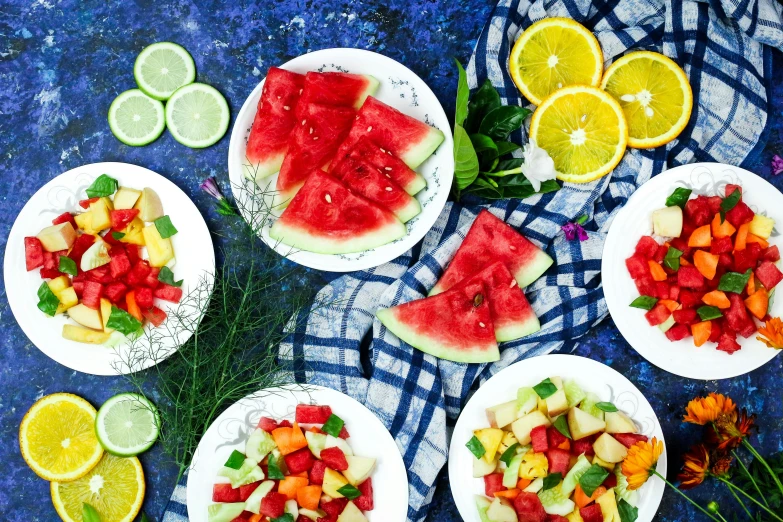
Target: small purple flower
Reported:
[(777, 164), (573, 231), (211, 187)]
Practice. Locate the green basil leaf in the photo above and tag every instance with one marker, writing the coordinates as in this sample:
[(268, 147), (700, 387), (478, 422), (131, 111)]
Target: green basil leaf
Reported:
[(628, 513), (645, 302), (285, 517), (679, 197), (502, 121), (123, 322), (466, 165), (102, 186), (167, 276), (561, 425), (463, 92), (734, 282), (476, 447), (545, 388), (672, 258), (592, 478), (606, 406), (486, 150), (333, 426), (273, 468), (235, 460), (552, 480), (708, 313), (509, 454), (89, 513), (484, 101), (67, 266), (47, 301), (118, 235), (165, 228), (349, 492), (730, 201), (506, 147)]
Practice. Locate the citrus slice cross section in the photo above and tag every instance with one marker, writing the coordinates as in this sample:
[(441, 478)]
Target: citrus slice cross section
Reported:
[(162, 68), (136, 119), (197, 115), (127, 424)]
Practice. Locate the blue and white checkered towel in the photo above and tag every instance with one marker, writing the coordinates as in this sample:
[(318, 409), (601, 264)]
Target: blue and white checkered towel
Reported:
[(723, 45)]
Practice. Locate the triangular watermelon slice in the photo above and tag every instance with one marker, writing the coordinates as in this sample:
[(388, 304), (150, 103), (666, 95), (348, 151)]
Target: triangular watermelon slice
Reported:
[(338, 89), (275, 118), (512, 315), (314, 141), (455, 325), (409, 139), (490, 239), (391, 166), (368, 181), (327, 218)]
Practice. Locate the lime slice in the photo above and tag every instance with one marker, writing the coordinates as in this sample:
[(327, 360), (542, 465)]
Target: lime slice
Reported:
[(136, 119), (197, 115), (127, 424), (162, 68)]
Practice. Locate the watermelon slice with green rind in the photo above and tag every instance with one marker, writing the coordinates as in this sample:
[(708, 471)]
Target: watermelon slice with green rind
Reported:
[(391, 166), (364, 179), (490, 239), (275, 118), (409, 139), (326, 217), (455, 325), (512, 316), (338, 89)]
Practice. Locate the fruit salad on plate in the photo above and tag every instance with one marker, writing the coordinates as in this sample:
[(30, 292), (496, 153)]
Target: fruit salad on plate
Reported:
[(709, 272), (553, 454), (105, 266), (300, 472)]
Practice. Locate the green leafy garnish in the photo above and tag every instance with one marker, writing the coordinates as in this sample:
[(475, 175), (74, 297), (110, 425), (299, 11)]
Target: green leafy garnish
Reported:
[(349, 492), (679, 197), (476, 447), (118, 235), (508, 454), (486, 150), (592, 478), (545, 388), (235, 460), (708, 313), (485, 100), (466, 165), (285, 517), (628, 513), (561, 425), (333, 425), (645, 302), (502, 121), (733, 281), (89, 513), (102, 186), (672, 258), (165, 228), (67, 266), (123, 322), (506, 147), (552, 480), (463, 93), (730, 201), (606, 406), (47, 301), (167, 276), (273, 468)]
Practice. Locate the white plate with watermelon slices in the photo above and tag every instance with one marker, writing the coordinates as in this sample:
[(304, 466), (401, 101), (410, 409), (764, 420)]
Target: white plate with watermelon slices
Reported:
[(368, 437), (592, 377), (192, 246), (634, 221), (399, 88)]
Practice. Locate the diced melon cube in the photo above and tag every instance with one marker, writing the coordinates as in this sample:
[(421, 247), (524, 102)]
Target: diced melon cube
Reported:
[(84, 222), (57, 237), (100, 215), (333, 481), (86, 316), (125, 198), (149, 205), (58, 284), (133, 233), (667, 221), (159, 250), (84, 335), (761, 226), (68, 299)]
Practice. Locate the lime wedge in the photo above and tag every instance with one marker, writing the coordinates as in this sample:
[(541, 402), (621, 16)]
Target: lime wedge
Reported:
[(197, 115), (136, 119), (162, 68), (127, 424)]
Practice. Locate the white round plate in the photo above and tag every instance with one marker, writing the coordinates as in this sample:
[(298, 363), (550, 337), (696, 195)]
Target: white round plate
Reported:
[(192, 246), (369, 438), (632, 222), (399, 87), (591, 376)]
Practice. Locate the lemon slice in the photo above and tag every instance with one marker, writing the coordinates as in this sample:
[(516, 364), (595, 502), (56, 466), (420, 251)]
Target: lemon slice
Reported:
[(584, 131), (554, 53), (115, 488), (57, 437), (654, 94)]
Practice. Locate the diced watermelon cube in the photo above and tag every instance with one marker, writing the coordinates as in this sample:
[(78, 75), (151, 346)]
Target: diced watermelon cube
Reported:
[(154, 315), (267, 424), (334, 458), (716, 328), (33, 253), (559, 460), (273, 505), (101, 275), (682, 244), (152, 278), (80, 246), (646, 286), (728, 342), (344, 433), (674, 292), (610, 481), (224, 493), (662, 290), (529, 508), (138, 273), (121, 218), (115, 291), (169, 293), (246, 490), (109, 238), (119, 264), (629, 439), (91, 295), (65, 217), (557, 518), (746, 258), (647, 247), (714, 204), (317, 473), (730, 187), (285, 424), (721, 245), (697, 211), (678, 332), (78, 287), (554, 437), (584, 445), (737, 316), (592, 513), (49, 273), (310, 414), (48, 261), (133, 253), (770, 254), (143, 297), (365, 502), (690, 277), (85, 203), (714, 283), (242, 517), (637, 266), (493, 483), (334, 507), (740, 214), (725, 261), (539, 439), (768, 275), (302, 460), (686, 316), (657, 315), (660, 254)]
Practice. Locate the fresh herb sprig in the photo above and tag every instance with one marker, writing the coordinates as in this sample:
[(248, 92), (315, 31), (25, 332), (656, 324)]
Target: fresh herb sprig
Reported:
[(482, 125)]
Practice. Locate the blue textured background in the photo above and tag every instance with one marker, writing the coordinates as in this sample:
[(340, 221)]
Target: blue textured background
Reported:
[(62, 63)]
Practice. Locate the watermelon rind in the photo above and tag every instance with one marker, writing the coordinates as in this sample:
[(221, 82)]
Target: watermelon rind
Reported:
[(264, 169), (419, 153), (416, 185), (372, 87), (409, 211), (304, 240), (517, 331), (533, 269)]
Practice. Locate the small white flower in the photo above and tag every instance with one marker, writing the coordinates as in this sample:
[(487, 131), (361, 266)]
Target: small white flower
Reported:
[(538, 166)]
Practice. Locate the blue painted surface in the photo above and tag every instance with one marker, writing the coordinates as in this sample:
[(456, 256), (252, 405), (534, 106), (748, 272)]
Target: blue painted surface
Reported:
[(61, 64)]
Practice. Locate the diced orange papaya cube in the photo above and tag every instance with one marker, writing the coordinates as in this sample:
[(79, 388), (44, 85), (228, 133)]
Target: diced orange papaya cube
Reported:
[(758, 303), (657, 271), (701, 332), (701, 237), (724, 229), (742, 237), (717, 299), (706, 263)]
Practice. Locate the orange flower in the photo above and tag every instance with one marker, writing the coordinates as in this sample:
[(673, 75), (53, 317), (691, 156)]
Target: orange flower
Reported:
[(696, 467), (772, 333), (640, 462), (703, 410), (730, 429)]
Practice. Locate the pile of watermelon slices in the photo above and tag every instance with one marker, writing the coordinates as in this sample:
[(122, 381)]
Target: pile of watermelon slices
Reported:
[(345, 159), (712, 280), (479, 301)]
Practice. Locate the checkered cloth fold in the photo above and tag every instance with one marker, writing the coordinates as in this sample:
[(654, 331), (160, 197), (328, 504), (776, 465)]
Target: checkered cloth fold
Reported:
[(724, 47)]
